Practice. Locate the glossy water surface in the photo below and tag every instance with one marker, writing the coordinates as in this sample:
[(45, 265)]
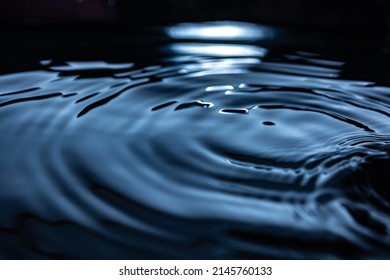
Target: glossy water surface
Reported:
[(208, 140)]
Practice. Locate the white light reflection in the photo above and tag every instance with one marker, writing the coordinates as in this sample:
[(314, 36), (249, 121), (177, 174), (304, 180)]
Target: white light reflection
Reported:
[(219, 31), (218, 50), (220, 66), (219, 88)]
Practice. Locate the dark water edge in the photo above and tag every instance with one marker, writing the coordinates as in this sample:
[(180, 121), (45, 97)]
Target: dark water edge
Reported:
[(216, 140)]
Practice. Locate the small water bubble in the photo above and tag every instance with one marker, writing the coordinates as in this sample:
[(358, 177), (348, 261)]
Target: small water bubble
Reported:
[(234, 111), (268, 123)]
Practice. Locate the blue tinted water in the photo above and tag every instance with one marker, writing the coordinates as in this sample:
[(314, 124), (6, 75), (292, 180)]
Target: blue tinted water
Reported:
[(215, 142)]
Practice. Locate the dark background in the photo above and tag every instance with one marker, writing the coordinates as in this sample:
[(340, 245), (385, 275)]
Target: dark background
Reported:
[(363, 14)]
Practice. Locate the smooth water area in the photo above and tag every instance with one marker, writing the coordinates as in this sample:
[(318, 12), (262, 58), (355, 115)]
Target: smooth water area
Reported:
[(196, 140)]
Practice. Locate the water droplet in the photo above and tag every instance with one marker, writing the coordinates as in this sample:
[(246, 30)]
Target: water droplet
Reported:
[(234, 111)]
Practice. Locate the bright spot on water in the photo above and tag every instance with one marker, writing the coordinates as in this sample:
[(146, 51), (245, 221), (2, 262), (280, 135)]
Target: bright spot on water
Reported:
[(219, 88), (219, 31), (218, 50)]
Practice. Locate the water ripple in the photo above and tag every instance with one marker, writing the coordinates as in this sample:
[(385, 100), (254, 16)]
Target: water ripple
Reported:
[(214, 150)]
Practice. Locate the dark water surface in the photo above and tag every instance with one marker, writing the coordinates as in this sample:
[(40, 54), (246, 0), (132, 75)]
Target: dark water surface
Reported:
[(208, 140)]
